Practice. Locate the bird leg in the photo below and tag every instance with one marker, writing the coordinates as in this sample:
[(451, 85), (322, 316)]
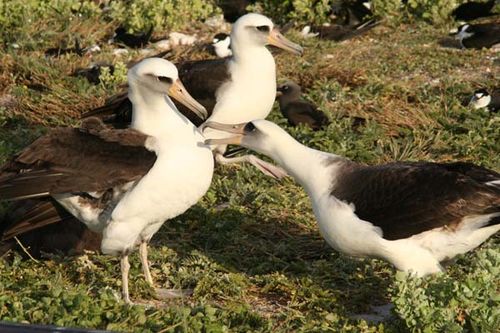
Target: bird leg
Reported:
[(125, 267), (143, 253), (265, 167), (160, 292)]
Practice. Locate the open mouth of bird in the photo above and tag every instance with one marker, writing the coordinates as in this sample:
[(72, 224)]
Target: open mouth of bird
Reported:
[(237, 129)]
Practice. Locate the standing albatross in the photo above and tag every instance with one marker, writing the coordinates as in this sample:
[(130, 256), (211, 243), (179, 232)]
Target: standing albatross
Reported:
[(233, 89), (414, 215), (123, 183)]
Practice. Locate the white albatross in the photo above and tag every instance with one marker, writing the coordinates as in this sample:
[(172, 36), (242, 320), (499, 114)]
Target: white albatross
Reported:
[(411, 214), (248, 88), (123, 183)]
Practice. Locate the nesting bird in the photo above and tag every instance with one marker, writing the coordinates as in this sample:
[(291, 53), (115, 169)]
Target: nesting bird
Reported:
[(123, 184), (473, 10), (482, 99), (411, 214), (221, 45), (478, 36), (338, 33), (298, 111), (132, 40), (351, 13)]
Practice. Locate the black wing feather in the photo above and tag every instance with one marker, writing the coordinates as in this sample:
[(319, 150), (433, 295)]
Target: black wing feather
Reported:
[(405, 199)]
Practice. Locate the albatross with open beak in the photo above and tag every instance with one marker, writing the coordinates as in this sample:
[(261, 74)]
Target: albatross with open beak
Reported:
[(125, 183), (412, 214)]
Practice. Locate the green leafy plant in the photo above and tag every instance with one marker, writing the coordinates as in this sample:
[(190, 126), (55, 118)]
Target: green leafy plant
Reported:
[(444, 303), (139, 15), (113, 80)]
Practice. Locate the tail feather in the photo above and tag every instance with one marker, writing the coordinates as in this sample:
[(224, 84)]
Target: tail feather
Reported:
[(42, 225)]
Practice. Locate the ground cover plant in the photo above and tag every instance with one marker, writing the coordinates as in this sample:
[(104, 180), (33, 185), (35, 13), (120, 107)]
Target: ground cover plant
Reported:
[(250, 248)]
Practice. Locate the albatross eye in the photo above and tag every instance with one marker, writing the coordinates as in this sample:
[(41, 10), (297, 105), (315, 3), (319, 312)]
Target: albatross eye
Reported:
[(249, 128), (165, 79), (263, 28)]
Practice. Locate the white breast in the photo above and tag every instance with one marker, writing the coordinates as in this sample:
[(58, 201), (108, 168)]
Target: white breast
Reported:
[(178, 179)]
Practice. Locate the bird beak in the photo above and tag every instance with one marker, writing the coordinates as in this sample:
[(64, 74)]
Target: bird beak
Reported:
[(178, 92), (238, 129), (279, 91), (277, 39)]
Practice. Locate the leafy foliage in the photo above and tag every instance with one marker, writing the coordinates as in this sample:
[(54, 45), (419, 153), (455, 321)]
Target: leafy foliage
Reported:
[(139, 15), (452, 304)]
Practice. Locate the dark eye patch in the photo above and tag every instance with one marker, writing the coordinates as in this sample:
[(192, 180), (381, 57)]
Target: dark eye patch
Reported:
[(249, 128), (165, 79), (263, 28)]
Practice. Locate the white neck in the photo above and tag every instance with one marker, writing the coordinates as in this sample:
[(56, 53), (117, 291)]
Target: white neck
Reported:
[(155, 114), (250, 54), (309, 167)]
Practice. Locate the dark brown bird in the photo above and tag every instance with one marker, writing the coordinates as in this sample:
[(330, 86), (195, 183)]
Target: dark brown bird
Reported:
[(350, 13), (298, 111), (132, 40), (472, 10), (338, 33)]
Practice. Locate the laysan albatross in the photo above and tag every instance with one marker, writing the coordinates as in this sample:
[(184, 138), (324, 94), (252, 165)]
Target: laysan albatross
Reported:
[(122, 183), (233, 89), (411, 214)]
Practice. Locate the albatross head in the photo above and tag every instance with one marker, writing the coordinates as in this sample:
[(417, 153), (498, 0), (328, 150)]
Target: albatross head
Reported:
[(160, 76), (260, 135), (257, 30)]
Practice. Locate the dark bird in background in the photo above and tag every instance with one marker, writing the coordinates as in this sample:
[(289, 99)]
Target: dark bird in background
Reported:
[(59, 51), (233, 9), (340, 33), (298, 111), (132, 40), (478, 36), (93, 72), (472, 10), (350, 13), (483, 99)]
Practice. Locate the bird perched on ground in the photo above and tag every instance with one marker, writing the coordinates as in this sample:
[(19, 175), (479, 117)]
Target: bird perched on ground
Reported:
[(221, 45), (350, 13), (478, 36), (298, 111), (238, 88), (339, 32), (473, 10), (132, 40), (482, 99), (412, 214), (123, 184)]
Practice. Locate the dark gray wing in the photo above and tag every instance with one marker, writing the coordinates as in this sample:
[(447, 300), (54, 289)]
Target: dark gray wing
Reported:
[(405, 199), (87, 159), (203, 78)]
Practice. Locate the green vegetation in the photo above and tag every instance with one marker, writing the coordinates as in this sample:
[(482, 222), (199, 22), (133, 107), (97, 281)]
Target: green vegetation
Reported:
[(250, 248)]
